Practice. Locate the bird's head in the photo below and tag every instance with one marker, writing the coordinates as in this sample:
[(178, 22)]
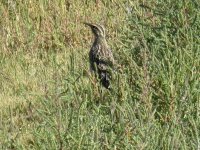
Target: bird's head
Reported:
[(97, 30)]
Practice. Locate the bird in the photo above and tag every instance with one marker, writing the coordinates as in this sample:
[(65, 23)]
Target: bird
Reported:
[(101, 56)]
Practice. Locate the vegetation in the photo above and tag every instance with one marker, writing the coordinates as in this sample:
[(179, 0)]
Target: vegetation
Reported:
[(49, 100)]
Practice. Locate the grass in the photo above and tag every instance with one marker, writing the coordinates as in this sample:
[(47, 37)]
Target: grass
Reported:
[(48, 99)]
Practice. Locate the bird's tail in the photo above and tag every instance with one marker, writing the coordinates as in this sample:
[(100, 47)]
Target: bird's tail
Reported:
[(105, 79)]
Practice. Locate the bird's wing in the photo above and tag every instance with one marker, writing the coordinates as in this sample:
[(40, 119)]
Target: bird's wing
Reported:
[(107, 56)]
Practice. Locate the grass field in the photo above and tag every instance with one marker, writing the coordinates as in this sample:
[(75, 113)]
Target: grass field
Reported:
[(48, 100)]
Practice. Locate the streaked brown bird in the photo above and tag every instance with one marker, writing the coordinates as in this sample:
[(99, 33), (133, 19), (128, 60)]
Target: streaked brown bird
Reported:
[(100, 55)]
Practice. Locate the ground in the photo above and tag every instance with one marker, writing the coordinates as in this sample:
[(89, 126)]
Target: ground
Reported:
[(49, 100)]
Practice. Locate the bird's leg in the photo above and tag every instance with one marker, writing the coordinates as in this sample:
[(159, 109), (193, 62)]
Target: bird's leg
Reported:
[(94, 81)]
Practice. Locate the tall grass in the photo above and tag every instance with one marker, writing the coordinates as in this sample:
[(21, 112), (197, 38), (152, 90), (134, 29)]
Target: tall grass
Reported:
[(49, 100)]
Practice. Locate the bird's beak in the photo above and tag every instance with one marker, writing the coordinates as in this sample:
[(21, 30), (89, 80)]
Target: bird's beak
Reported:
[(88, 24)]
